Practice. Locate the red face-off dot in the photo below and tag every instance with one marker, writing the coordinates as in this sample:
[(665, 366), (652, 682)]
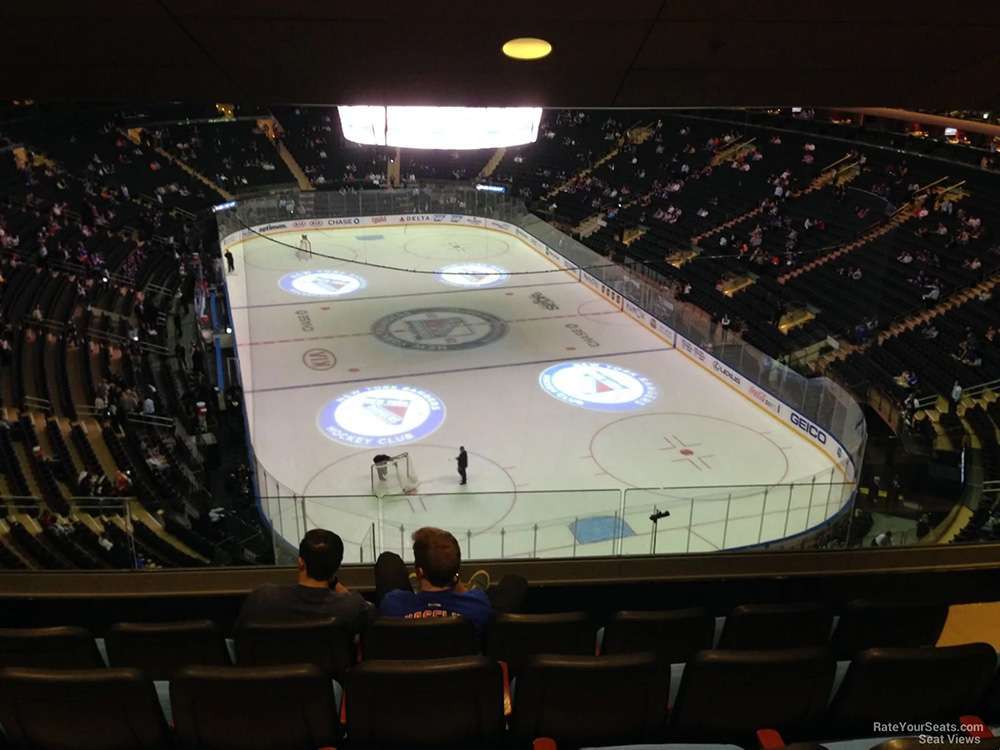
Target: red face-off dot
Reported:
[(687, 452), (354, 369)]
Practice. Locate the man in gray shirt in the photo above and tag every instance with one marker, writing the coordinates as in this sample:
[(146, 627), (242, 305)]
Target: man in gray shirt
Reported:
[(317, 594)]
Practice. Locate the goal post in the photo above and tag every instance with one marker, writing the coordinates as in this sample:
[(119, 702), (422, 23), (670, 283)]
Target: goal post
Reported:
[(394, 476)]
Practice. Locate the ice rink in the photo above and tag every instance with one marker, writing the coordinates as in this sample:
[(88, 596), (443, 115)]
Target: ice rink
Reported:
[(561, 400)]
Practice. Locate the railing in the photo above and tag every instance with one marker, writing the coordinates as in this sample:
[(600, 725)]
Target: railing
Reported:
[(28, 511), (972, 392), (588, 523), (818, 408)]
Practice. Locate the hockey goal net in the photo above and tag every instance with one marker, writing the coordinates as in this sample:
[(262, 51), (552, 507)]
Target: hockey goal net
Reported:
[(394, 475)]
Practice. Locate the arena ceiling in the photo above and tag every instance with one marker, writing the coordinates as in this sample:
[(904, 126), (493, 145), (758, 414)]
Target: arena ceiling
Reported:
[(910, 53)]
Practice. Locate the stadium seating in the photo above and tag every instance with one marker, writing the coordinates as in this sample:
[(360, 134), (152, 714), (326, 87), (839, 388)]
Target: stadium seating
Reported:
[(910, 685), (256, 708), (674, 636), (49, 648), (591, 700), (326, 644), (279, 689), (865, 624), (776, 626), (436, 703), (72, 709), (433, 638), (159, 649), (515, 638), (728, 695)]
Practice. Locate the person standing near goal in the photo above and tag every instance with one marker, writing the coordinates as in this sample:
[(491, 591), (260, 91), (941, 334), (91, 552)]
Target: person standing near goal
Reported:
[(305, 250), (463, 463)]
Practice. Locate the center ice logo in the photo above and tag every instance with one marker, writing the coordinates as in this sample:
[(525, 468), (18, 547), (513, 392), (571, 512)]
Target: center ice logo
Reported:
[(321, 283), (439, 329), (472, 274), (597, 385), (381, 415)]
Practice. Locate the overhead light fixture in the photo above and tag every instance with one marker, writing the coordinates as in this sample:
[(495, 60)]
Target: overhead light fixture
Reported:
[(527, 48)]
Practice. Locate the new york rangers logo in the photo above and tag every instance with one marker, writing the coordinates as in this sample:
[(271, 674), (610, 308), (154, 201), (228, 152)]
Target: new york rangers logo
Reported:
[(381, 415), (597, 385), (327, 283), (474, 275), (439, 329)]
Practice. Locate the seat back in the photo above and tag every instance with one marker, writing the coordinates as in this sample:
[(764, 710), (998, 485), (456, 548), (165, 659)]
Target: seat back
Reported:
[(323, 642), (515, 638), (911, 684), (160, 649), (254, 708), (49, 648), (674, 636), (431, 703), (433, 638), (777, 626), (866, 624), (989, 708), (85, 709), (727, 695), (592, 700)]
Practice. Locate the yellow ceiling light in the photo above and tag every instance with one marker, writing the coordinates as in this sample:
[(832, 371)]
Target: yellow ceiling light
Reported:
[(527, 48)]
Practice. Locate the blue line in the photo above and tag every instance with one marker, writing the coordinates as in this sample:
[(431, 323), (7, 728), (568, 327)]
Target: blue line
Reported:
[(593, 355), (328, 300)]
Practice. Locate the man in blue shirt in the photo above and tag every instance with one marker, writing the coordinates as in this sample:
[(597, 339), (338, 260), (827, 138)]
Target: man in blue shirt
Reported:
[(440, 592)]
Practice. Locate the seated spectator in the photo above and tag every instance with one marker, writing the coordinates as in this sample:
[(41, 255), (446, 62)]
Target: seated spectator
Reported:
[(441, 593), (318, 593)]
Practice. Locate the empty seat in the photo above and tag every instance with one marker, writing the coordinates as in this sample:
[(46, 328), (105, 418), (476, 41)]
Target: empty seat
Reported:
[(910, 684), (515, 638), (159, 649), (779, 626), (324, 643), (674, 636), (254, 708), (591, 700), (433, 703), (727, 695), (866, 624), (61, 647), (85, 709), (433, 638)]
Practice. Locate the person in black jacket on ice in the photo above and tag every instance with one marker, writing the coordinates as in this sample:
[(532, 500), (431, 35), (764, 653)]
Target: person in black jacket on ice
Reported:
[(463, 463)]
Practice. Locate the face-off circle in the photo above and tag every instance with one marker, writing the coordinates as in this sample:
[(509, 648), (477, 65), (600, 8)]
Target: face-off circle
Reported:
[(381, 415), (432, 243), (475, 275), (597, 385), (326, 283), (437, 329)]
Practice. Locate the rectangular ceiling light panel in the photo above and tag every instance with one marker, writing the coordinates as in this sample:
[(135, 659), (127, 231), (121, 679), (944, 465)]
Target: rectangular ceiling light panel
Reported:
[(440, 127)]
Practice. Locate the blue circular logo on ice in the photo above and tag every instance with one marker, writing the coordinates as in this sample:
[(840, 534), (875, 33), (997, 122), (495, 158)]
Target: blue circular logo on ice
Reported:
[(597, 385), (381, 415), (321, 283), (472, 274)]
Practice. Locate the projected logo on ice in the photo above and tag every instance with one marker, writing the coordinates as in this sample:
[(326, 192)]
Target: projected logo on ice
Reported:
[(597, 385), (381, 415), (472, 274), (321, 283), (439, 329)]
